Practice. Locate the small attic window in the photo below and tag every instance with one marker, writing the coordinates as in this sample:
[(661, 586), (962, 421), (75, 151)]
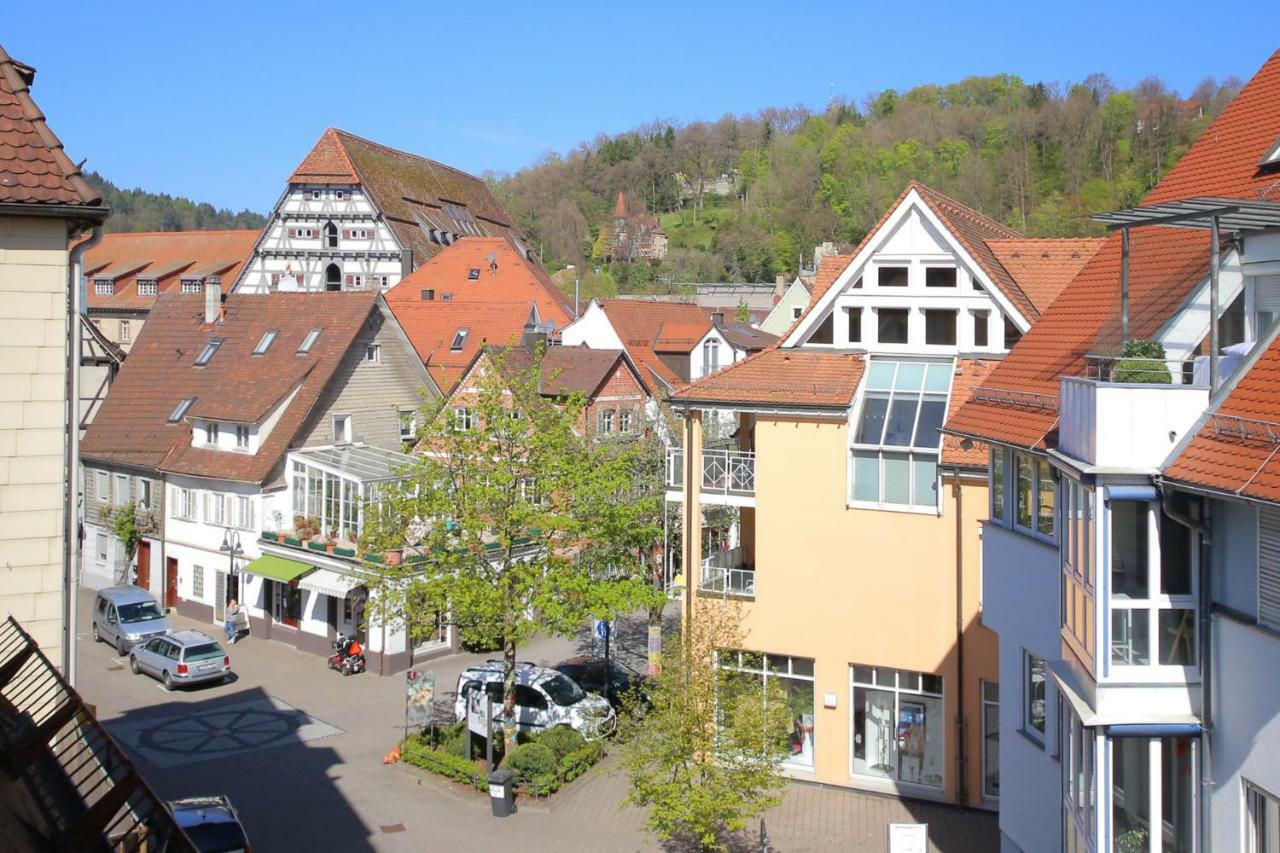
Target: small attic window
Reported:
[(459, 340), (308, 342), (1272, 157), (268, 337), (177, 413), (473, 274), (315, 194), (427, 294), (208, 351), (446, 297)]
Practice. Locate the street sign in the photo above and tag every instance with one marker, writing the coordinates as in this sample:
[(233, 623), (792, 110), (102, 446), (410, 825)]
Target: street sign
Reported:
[(478, 712), (420, 691), (908, 838), (602, 629)]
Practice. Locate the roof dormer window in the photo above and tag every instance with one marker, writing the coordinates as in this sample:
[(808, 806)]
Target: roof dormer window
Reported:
[(459, 340), (308, 342), (147, 287), (1272, 157), (192, 285), (104, 287), (180, 410), (267, 338), (208, 351)]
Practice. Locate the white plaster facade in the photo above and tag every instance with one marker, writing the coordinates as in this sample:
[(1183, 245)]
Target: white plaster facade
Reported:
[(323, 237)]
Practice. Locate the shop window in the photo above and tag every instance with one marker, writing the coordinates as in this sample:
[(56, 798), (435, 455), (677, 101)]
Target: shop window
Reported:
[(1262, 821), (286, 603), (795, 677), (895, 450), (899, 728), (1033, 696), (940, 277), (892, 325), (892, 277), (940, 327), (854, 319), (991, 739)]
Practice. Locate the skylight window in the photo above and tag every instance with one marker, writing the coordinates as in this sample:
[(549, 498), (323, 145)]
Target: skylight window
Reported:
[(177, 413), (208, 351), (265, 343), (459, 340), (308, 342), (447, 297), (1272, 157), (473, 274)]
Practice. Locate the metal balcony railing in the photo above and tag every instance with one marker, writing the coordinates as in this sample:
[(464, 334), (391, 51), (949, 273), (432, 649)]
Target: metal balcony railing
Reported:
[(724, 574), (730, 472), (1114, 368)]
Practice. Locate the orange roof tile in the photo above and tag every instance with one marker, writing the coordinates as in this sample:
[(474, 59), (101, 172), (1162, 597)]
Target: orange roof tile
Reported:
[(165, 257), (829, 269), (680, 337), (1044, 267), (34, 168), (970, 373), (782, 377)]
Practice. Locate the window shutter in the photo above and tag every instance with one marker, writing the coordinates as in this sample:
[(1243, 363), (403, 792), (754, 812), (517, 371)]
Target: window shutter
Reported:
[(1269, 567)]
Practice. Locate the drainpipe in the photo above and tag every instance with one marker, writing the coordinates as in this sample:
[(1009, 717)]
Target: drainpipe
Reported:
[(1204, 631), (962, 792), (1124, 287), (71, 462), (1213, 305)]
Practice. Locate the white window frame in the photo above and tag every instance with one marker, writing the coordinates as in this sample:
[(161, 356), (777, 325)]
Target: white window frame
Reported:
[(463, 419), (1027, 693), (102, 485), (910, 450), (242, 437), (408, 421), (1041, 472), (1262, 820), (989, 702), (243, 517), (342, 429), (796, 311), (184, 504), (212, 431), (197, 582), (101, 549), (625, 421), (215, 509), (148, 287), (144, 493), (104, 287), (265, 342), (373, 353), (121, 495), (309, 341), (191, 286), (604, 421), (710, 356), (126, 332)]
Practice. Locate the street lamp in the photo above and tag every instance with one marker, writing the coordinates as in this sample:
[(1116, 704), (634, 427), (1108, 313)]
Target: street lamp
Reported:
[(231, 546)]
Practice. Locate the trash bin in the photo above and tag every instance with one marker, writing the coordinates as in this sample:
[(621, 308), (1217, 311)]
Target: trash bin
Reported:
[(502, 795)]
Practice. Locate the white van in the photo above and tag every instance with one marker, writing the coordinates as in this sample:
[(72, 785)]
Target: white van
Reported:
[(544, 699)]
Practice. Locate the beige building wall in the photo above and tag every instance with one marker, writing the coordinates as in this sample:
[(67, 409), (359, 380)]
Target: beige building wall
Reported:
[(845, 586), (33, 282)]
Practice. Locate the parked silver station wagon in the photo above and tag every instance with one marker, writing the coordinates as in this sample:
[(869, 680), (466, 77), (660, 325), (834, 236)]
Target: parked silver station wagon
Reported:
[(183, 657), (126, 615)]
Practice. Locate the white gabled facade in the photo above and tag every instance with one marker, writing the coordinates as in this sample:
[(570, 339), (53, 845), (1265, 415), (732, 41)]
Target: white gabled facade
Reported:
[(324, 237)]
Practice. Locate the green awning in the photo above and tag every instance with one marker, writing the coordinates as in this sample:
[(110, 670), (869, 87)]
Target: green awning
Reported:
[(277, 568)]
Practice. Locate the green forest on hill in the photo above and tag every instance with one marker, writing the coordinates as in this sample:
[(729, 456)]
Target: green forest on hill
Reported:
[(1039, 157), (139, 210)]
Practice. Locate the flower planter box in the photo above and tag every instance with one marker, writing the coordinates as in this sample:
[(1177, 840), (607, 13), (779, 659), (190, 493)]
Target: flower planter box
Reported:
[(344, 552), (290, 540), (316, 546), (373, 558), (270, 536)]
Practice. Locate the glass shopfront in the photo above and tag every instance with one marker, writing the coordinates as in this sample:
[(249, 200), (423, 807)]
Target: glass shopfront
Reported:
[(795, 677), (899, 730)]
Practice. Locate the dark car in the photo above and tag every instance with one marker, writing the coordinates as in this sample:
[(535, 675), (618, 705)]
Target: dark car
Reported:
[(212, 823), (594, 676)]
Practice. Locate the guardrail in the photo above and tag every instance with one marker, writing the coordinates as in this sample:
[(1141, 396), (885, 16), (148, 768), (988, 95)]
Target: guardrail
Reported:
[(730, 472), (1155, 371), (719, 580)]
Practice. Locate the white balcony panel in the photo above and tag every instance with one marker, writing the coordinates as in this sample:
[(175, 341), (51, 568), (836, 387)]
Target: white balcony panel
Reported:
[(1125, 426)]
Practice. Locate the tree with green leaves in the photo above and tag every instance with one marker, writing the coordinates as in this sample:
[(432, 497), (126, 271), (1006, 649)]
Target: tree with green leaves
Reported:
[(504, 517), (124, 524), (706, 759)]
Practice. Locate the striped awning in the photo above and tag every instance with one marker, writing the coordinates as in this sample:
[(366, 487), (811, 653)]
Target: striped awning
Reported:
[(328, 582)]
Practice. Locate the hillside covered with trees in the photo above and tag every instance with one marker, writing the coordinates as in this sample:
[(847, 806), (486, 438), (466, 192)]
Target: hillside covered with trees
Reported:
[(139, 210), (1037, 156)]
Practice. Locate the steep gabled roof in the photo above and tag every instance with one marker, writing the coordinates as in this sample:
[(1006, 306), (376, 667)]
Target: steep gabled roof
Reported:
[(133, 425), (568, 369), (414, 194), (34, 168), (165, 257), (1017, 404), (1044, 267), (1236, 450), (793, 378), (829, 269)]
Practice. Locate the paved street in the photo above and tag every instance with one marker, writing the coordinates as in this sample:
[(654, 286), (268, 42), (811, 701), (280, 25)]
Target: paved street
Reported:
[(299, 749)]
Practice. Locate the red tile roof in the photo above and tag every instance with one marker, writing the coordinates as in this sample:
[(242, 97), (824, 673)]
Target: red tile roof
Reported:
[(798, 378), (829, 269), (970, 373), (639, 324), (680, 336), (413, 193), (1044, 267), (1165, 266), (34, 168), (494, 307), (1236, 450), (566, 370), (165, 257), (133, 427)]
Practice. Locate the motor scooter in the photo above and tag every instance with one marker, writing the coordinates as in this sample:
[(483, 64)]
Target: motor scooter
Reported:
[(348, 655)]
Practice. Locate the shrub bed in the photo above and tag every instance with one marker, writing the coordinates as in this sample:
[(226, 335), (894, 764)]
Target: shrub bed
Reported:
[(541, 763)]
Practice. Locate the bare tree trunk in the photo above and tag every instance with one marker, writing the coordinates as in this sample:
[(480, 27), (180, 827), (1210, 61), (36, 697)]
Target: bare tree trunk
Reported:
[(509, 695)]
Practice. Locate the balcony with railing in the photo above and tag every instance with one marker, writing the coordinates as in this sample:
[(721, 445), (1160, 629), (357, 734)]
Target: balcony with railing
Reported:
[(1128, 412), (727, 575), (728, 476)]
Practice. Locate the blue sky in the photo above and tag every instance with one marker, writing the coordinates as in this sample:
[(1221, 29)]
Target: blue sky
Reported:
[(220, 106)]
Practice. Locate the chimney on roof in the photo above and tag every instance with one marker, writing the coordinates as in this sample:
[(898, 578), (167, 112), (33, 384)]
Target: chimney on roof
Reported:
[(717, 319), (212, 299), (406, 262)]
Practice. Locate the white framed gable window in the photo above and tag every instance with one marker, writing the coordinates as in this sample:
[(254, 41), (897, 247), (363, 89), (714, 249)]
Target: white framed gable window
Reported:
[(710, 356), (408, 424), (896, 435), (341, 429)]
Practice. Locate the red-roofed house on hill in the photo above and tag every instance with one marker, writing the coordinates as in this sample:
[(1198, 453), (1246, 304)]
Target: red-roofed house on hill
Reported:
[(357, 215), (478, 291), (234, 426), (47, 210), (1131, 562), (855, 550), (635, 236)]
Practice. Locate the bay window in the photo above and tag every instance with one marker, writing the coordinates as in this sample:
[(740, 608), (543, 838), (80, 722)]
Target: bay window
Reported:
[(997, 484), (896, 438), (1034, 491)]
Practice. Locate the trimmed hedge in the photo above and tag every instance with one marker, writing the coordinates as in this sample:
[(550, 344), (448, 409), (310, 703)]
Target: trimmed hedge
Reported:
[(446, 764), (532, 760), (562, 740), (579, 761)]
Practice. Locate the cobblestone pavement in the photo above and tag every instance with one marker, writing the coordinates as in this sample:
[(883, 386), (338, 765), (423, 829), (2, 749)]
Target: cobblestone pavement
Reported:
[(308, 775)]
